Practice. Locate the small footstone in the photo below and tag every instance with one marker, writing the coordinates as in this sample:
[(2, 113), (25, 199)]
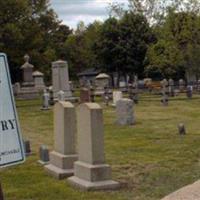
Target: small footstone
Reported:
[(44, 155), (181, 129), (27, 147)]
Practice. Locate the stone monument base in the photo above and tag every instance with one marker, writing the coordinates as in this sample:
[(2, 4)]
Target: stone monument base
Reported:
[(70, 99), (92, 177), (27, 93), (93, 186), (57, 172), (28, 84), (61, 166)]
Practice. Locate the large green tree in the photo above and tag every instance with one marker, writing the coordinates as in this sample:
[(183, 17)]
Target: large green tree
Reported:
[(80, 47), (135, 35), (123, 44), (107, 46), (31, 27), (178, 46)]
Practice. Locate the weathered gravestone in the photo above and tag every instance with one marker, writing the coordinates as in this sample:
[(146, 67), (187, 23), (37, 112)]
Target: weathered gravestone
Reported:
[(16, 88), (61, 96), (51, 98), (124, 111), (84, 95), (164, 90), (27, 148), (181, 129), (44, 155), (171, 87), (39, 80), (198, 85), (92, 94), (27, 69), (60, 78), (164, 83), (106, 96), (181, 85), (189, 92), (164, 98), (63, 157), (27, 89), (101, 81), (117, 95), (133, 93), (91, 172), (45, 98)]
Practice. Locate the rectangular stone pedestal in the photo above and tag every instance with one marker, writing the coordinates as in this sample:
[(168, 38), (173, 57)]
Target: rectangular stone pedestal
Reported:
[(92, 177), (92, 173), (61, 166)]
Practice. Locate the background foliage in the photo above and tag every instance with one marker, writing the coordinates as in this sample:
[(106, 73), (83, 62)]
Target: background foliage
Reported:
[(151, 38)]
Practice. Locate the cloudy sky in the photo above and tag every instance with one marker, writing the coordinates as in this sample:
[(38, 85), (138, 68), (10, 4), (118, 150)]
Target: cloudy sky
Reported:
[(73, 11)]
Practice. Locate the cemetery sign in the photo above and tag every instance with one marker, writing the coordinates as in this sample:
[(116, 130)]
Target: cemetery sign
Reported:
[(11, 145)]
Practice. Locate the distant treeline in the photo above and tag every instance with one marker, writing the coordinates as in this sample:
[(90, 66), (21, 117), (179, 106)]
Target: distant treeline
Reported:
[(150, 38)]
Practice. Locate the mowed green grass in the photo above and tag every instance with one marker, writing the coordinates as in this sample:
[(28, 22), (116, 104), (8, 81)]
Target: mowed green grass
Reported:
[(149, 159)]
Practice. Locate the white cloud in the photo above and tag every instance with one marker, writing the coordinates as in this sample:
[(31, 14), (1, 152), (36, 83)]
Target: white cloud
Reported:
[(73, 11)]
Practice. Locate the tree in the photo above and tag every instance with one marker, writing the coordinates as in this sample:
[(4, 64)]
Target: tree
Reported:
[(123, 44), (30, 26), (80, 47), (135, 35), (107, 48), (178, 45)]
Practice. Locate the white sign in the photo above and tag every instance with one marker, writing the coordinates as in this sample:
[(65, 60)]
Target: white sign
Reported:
[(11, 145)]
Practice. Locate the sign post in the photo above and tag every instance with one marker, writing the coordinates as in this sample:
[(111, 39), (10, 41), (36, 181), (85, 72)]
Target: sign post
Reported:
[(1, 193), (11, 144)]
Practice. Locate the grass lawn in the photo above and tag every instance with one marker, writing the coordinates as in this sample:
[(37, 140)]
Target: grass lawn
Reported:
[(149, 159)]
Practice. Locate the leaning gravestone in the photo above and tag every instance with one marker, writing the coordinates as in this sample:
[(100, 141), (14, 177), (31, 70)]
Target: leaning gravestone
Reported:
[(117, 95), (90, 171), (11, 144), (60, 78), (63, 157), (124, 110)]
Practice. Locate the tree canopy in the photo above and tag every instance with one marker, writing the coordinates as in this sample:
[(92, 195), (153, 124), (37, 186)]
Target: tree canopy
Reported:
[(32, 28), (151, 38)]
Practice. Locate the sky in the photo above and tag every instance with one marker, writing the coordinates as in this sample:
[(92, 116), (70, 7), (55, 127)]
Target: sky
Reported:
[(73, 11)]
